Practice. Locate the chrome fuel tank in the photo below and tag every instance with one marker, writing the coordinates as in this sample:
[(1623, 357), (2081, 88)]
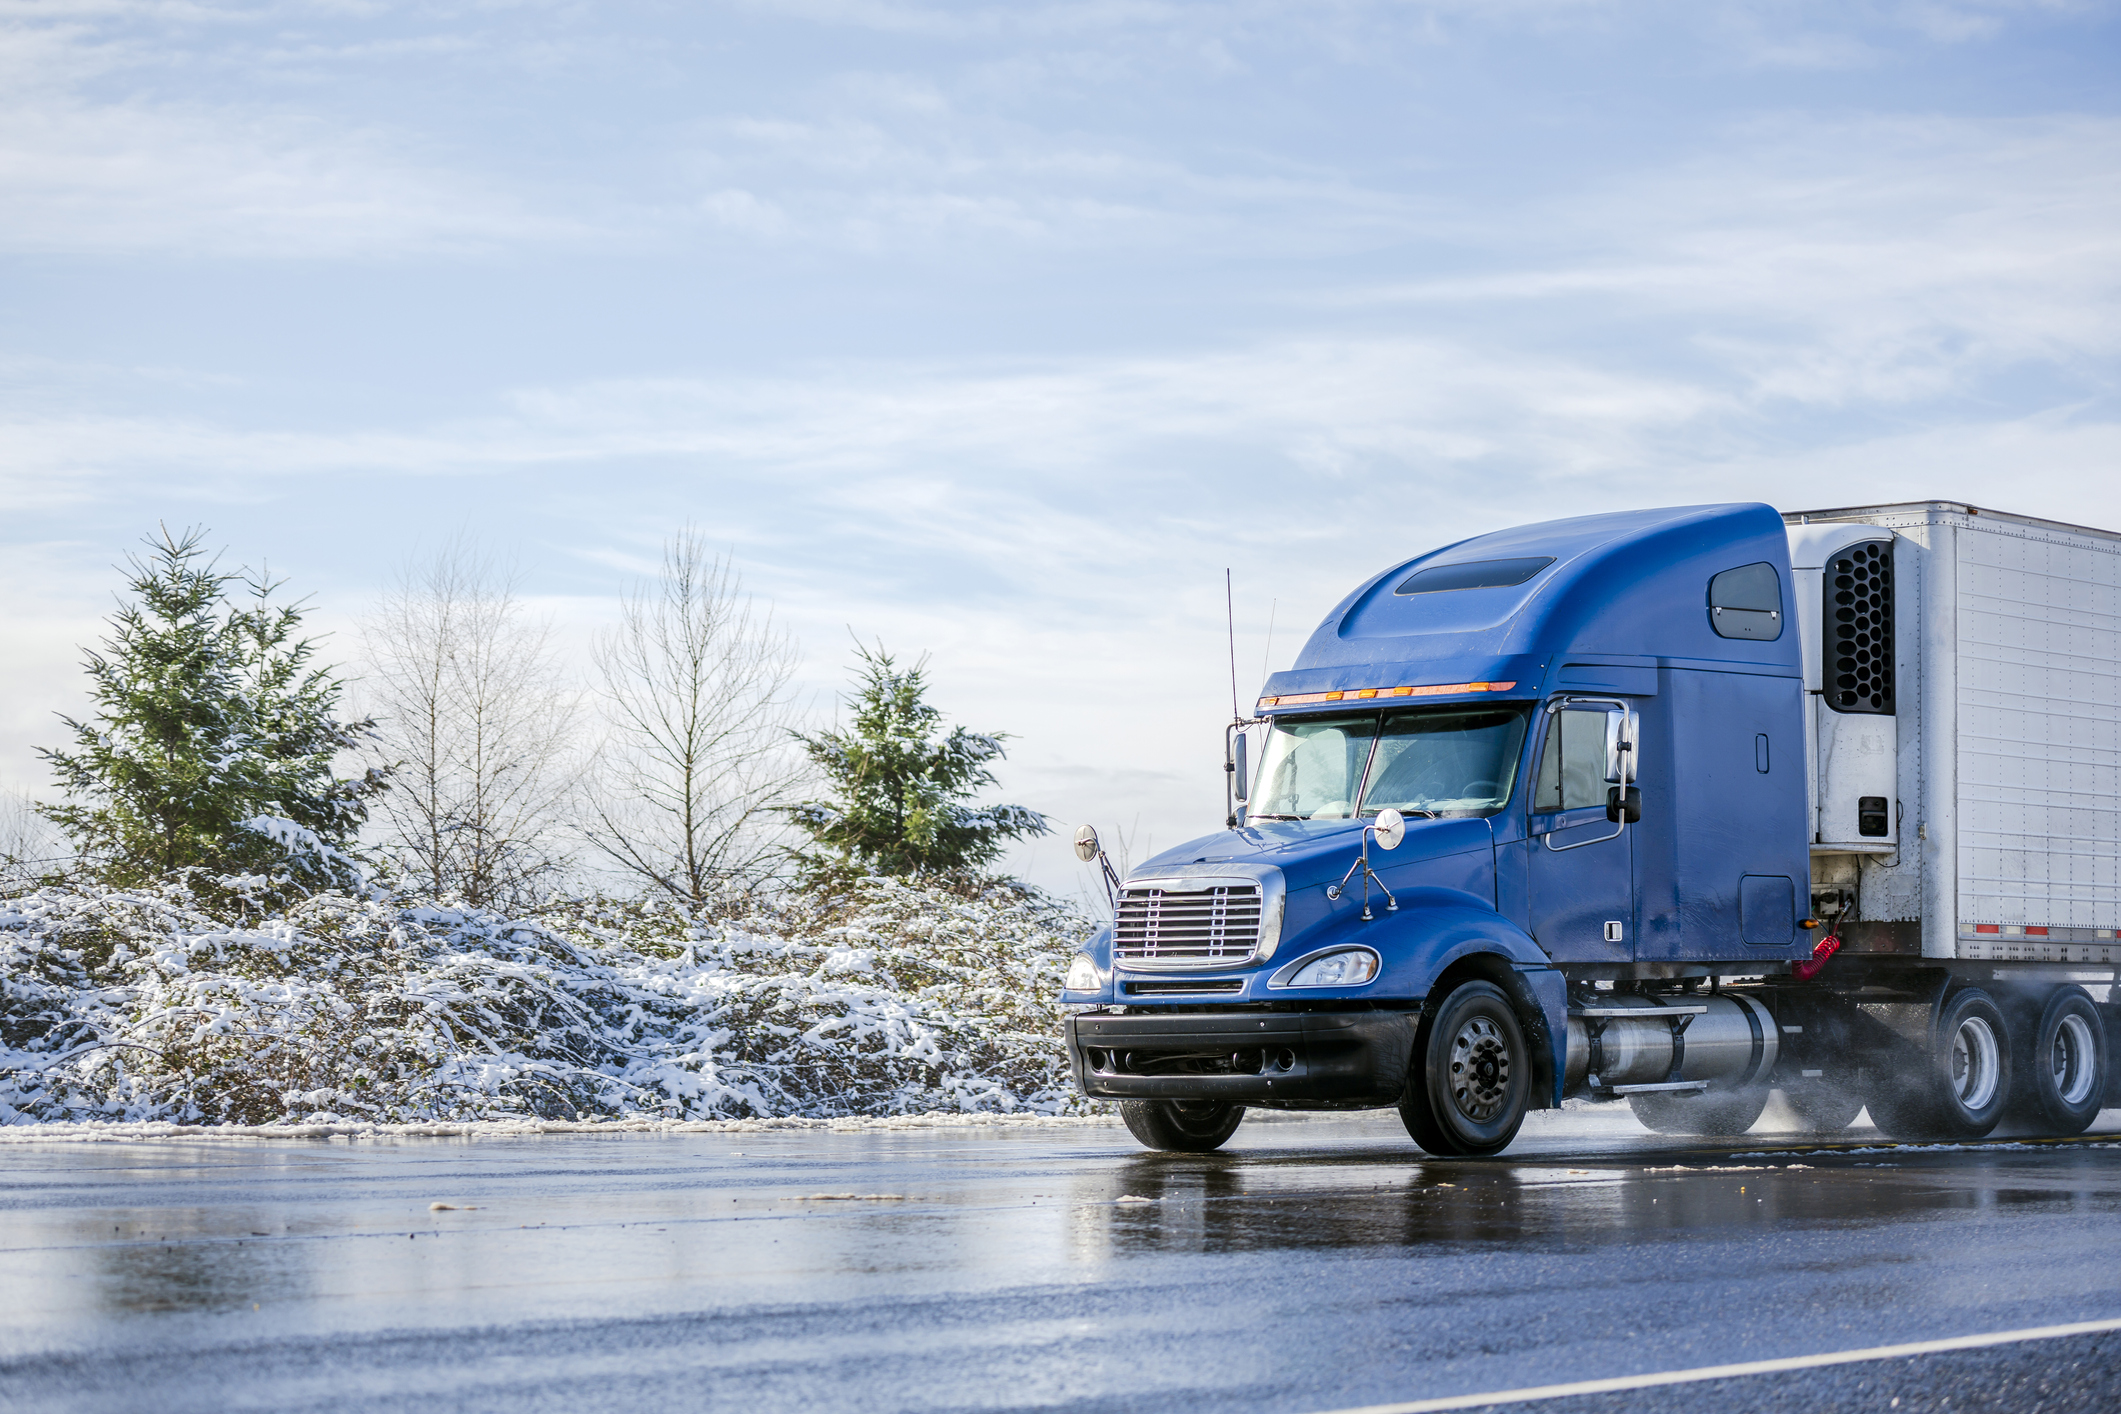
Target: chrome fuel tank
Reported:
[(1618, 1044)]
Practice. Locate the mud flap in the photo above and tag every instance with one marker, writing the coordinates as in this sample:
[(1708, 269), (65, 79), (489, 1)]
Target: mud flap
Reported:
[(1543, 993)]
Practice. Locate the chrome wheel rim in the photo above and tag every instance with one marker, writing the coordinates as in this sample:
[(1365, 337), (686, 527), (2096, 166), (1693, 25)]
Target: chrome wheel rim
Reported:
[(1480, 1070), (2072, 1058), (1974, 1063)]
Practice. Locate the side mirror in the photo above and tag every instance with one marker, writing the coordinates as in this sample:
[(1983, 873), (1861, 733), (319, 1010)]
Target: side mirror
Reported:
[(1620, 747), (1623, 804), (1237, 762), (1390, 828), (1086, 843)]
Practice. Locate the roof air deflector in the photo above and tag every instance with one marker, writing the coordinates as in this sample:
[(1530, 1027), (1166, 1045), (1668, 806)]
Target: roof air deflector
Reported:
[(1476, 574)]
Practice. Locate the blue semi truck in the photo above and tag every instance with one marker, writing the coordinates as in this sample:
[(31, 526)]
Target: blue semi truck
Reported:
[(1676, 807)]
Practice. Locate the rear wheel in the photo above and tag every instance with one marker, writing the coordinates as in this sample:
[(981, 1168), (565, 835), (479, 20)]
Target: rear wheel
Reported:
[(1473, 1080), (1181, 1126), (1824, 1106), (1959, 1090), (1710, 1112), (2060, 1076)]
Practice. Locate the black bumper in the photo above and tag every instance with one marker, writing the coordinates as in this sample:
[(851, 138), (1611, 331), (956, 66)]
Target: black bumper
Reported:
[(1345, 1058)]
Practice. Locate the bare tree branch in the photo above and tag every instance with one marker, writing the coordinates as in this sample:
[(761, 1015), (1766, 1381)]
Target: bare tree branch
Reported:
[(474, 713), (695, 687), (30, 847)]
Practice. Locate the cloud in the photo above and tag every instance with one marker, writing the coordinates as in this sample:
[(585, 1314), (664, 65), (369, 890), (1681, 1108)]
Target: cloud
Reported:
[(1872, 262), (98, 157), (920, 472), (1125, 126)]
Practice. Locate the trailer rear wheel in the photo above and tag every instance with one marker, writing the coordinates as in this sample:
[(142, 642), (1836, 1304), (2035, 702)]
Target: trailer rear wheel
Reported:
[(1181, 1126), (1958, 1090), (1473, 1079), (2061, 1073), (1713, 1112)]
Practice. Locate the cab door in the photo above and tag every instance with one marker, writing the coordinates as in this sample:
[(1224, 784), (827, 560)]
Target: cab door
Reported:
[(1580, 870)]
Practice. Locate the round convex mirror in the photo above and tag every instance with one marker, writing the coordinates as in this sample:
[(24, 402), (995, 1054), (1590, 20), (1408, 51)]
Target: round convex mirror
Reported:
[(1086, 843), (1390, 829)]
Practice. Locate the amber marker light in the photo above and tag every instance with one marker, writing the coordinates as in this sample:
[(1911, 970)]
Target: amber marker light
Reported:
[(1441, 689)]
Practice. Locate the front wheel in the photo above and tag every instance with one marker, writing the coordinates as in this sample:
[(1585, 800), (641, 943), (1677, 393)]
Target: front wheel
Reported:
[(1181, 1126), (1474, 1079)]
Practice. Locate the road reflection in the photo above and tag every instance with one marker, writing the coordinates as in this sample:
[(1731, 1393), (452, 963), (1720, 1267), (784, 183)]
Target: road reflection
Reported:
[(1238, 1202), (182, 1267)]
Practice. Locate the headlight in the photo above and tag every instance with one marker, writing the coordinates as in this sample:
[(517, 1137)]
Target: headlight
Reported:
[(1349, 968), (1082, 975)]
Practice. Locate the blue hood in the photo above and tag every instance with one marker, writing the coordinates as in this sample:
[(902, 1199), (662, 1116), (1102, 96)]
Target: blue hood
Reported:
[(1314, 853)]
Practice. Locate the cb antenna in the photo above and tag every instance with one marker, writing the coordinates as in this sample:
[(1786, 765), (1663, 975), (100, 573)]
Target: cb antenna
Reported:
[(1234, 734)]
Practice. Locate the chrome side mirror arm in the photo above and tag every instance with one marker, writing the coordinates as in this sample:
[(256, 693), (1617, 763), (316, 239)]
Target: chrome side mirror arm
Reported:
[(1087, 848), (1390, 827)]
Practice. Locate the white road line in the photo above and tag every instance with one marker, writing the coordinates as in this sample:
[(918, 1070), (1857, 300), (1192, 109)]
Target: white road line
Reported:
[(1725, 1372)]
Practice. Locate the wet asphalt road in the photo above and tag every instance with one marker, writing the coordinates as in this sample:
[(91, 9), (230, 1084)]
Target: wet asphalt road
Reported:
[(1311, 1266)]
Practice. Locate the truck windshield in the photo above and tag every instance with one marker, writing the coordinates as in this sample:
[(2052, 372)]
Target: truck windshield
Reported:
[(1312, 770), (1443, 761)]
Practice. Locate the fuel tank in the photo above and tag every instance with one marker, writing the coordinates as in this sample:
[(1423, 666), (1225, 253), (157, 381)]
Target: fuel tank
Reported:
[(1619, 1044)]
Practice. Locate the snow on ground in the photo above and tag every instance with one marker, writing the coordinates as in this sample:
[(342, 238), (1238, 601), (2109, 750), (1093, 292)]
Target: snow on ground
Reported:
[(122, 1009), (105, 1131)]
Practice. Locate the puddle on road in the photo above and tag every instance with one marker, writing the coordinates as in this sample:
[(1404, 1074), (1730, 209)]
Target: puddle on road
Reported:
[(1372, 1197)]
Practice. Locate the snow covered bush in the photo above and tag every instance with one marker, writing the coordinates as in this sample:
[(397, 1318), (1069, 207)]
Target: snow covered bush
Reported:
[(150, 1003)]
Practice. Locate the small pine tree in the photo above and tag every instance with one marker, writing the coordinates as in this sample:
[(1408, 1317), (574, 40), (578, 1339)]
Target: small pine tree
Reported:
[(212, 740), (900, 791)]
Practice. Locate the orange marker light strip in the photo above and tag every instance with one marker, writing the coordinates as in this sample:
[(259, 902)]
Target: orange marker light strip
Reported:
[(1441, 689)]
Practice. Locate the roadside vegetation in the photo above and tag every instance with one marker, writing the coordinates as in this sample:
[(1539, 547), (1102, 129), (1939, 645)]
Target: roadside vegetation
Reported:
[(491, 894)]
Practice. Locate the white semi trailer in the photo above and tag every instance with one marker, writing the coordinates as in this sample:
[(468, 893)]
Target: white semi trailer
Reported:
[(1963, 671)]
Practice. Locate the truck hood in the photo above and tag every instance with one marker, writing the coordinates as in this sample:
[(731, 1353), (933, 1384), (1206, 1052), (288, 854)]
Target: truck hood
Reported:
[(1313, 852)]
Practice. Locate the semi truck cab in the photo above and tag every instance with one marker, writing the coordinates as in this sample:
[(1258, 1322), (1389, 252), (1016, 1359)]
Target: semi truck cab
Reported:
[(1617, 806)]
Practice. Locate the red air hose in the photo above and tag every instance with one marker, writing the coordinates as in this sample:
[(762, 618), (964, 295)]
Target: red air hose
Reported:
[(1806, 971)]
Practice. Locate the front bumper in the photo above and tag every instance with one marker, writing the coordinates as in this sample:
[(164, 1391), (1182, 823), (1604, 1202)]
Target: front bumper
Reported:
[(1347, 1058)]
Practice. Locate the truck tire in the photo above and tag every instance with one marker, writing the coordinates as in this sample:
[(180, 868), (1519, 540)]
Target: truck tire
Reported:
[(1824, 1106), (1181, 1126), (1473, 1075), (1958, 1090), (1714, 1112), (2061, 1071)]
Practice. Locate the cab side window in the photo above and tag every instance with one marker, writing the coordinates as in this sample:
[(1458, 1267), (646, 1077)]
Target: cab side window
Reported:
[(1572, 767)]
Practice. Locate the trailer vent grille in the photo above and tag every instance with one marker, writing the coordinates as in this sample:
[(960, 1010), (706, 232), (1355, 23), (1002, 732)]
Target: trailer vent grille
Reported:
[(1856, 642), (1206, 928)]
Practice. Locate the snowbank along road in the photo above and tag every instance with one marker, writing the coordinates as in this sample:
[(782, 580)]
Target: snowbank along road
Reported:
[(1312, 1266)]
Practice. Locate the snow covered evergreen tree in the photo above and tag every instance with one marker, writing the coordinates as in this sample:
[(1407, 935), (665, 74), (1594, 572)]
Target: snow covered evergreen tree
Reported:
[(212, 739), (900, 791)]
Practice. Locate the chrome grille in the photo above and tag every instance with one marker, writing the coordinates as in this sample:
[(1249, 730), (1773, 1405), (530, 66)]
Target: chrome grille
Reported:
[(1197, 928)]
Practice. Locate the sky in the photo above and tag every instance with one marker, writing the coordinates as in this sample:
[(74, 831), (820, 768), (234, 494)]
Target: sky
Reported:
[(998, 332)]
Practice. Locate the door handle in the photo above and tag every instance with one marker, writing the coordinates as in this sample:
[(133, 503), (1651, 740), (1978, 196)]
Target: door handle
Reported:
[(1548, 837)]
